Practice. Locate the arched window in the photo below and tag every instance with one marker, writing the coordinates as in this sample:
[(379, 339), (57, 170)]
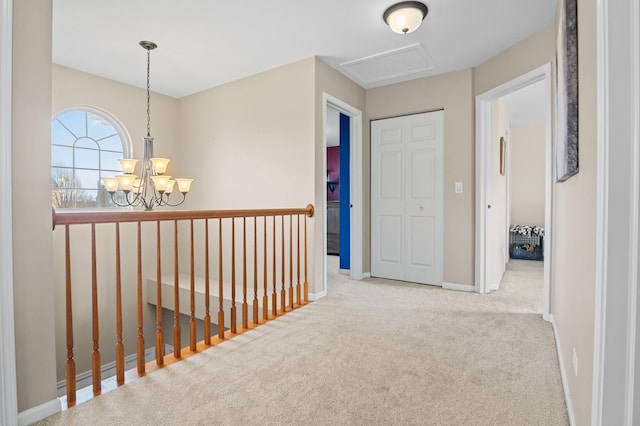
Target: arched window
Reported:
[(86, 144)]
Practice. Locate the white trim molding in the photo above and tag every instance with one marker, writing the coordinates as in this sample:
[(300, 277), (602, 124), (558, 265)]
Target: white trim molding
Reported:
[(483, 147), (563, 372), (458, 287), (355, 177), (317, 296), (616, 383), (8, 384), (39, 412)]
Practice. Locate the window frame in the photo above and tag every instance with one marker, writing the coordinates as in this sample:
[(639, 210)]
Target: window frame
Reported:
[(116, 123)]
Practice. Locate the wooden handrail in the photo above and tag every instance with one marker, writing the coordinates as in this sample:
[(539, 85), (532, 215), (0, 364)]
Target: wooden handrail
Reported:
[(86, 218), (272, 219)]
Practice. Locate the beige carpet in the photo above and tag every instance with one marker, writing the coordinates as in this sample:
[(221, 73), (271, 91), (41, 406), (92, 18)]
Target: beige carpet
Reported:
[(374, 352)]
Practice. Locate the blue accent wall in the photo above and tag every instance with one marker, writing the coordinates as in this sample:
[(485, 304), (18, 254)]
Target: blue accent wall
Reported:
[(345, 196)]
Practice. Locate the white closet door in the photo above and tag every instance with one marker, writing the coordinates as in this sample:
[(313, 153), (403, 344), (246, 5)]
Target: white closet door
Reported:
[(407, 200)]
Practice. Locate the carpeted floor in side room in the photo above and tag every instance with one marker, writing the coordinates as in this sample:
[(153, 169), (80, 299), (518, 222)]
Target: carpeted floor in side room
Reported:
[(373, 352)]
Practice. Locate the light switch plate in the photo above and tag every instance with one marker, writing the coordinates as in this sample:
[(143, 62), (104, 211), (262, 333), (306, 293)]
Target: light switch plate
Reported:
[(458, 187)]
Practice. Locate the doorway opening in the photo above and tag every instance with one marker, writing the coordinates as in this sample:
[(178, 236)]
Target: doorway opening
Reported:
[(349, 183), (493, 156)]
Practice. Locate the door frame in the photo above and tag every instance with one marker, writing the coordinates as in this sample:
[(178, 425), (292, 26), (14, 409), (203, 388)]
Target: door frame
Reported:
[(8, 383), (483, 152), (355, 177), (616, 357)]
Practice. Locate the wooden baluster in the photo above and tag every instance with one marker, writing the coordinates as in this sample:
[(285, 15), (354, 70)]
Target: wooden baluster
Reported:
[(298, 265), (220, 284), (274, 299), (265, 297), (255, 270), (119, 344), (306, 283), (245, 306), (177, 338), (291, 262), (233, 276), (192, 321), (283, 291), (141, 360), (159, 333), (95, 355), (71, 363), (207, 316)]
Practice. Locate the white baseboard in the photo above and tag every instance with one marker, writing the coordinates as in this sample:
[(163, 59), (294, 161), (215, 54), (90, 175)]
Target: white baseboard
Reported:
[(317, 296), (458, 287), (39, 412), (84, 379), (563, 373), (366, 275)]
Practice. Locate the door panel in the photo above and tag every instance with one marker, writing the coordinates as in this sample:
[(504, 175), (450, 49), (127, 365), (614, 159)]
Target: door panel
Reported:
[(391, 175), (407, 174), (390, 233)]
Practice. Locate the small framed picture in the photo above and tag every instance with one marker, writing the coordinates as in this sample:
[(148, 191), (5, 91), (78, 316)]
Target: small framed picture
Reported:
[(503, 152)]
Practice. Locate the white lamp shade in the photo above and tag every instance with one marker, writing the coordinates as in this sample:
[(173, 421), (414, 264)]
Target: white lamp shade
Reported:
[(160, 165), (128, 165), (126, 182), (405, 17), (170, 185), (161, 182), (184, 185), (110, 184)]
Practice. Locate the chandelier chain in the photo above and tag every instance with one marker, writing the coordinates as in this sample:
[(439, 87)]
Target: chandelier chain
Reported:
[(148, 95)]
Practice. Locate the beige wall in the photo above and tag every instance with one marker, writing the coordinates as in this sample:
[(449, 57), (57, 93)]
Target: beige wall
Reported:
[(250, 144), (128, 104), (453, 92), (32, 248), (574, 223), (529, 54), (526, 174)]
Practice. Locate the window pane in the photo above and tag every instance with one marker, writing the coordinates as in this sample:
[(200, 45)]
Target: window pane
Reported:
[(86, 143), (63, 197), (62, 177), (99, 127), (62, 156), (75, 122), (60, 135), (112, 143), (86, 198), (87, 158), (110, 161), (88, 179)]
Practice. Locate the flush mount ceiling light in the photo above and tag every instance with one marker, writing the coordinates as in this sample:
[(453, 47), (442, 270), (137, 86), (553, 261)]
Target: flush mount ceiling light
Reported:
[(405, 17)]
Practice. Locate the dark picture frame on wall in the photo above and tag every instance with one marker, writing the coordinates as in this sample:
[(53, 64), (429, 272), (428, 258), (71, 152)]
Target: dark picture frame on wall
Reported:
[(567, 91)]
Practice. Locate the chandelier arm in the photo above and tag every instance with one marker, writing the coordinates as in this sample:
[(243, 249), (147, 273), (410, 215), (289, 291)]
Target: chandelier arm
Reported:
[(165, 201)]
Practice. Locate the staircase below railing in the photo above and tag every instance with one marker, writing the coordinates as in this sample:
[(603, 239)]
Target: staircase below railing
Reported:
[(279, 248)]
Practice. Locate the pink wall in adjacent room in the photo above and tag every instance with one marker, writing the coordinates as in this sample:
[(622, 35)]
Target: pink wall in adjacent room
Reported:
[(333, 170)]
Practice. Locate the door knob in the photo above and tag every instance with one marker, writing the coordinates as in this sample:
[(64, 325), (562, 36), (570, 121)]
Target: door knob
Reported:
[(420, 209)]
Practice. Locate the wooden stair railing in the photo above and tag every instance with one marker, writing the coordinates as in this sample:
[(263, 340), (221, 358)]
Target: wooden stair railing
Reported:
[(296, 295)]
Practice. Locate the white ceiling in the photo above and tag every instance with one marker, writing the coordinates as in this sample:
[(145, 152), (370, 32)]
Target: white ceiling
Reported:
[(206, 43)]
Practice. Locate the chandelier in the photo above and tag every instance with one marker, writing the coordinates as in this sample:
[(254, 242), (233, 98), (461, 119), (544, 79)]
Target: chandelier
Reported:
[(154, 187)]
